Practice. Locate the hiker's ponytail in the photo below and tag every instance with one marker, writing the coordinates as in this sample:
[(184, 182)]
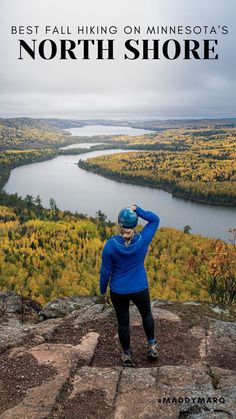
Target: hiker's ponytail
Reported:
[(126, 233)]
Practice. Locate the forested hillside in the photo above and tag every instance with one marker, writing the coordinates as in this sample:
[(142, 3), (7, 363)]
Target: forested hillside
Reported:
[(194, 164), (46, 254), (22, 133)]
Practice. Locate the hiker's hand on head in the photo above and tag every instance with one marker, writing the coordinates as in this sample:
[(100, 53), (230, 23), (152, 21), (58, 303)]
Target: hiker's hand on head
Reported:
[(134, 207)]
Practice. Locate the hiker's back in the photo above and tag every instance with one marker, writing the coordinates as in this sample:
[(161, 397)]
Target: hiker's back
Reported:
[(128, 272)]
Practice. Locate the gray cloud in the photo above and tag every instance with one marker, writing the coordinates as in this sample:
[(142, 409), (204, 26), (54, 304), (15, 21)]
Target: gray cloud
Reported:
[(160, 89)]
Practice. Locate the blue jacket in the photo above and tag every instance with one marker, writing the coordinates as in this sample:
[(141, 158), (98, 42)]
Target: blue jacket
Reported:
[(123, 265)]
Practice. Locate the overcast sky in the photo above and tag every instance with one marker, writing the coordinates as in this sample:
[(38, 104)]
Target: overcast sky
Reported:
[(113, 89)]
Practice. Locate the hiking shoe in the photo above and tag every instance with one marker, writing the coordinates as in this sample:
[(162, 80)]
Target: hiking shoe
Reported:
[(127, 360), (152, 351)]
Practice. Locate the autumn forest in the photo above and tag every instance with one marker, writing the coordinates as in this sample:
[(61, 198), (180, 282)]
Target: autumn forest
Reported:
[(48, 253)]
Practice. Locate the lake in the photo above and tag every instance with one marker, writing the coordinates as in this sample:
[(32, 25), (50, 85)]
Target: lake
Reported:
[(75, 189), (90, 130), (80, 145)]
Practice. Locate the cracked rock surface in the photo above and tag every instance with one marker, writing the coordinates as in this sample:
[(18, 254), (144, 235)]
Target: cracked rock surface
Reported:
[(69, 366)]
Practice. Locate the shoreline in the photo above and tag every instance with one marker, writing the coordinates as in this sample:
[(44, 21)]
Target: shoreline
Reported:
[(140, 182), (145, 183)]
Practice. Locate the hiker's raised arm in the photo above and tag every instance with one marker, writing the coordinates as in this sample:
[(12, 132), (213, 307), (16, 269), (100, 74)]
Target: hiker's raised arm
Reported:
[(153, 220)]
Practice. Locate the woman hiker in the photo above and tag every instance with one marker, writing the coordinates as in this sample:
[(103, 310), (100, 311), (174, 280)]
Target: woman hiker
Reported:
[(123, 267)]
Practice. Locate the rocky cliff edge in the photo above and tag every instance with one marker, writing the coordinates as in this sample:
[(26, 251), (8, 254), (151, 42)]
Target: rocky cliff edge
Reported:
[(64, 362)]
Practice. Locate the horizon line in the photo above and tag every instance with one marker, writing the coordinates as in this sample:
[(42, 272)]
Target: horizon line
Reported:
[(121, 118)]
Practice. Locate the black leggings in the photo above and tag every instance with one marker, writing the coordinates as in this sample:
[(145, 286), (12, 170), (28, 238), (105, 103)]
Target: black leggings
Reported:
[(121, 305)]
